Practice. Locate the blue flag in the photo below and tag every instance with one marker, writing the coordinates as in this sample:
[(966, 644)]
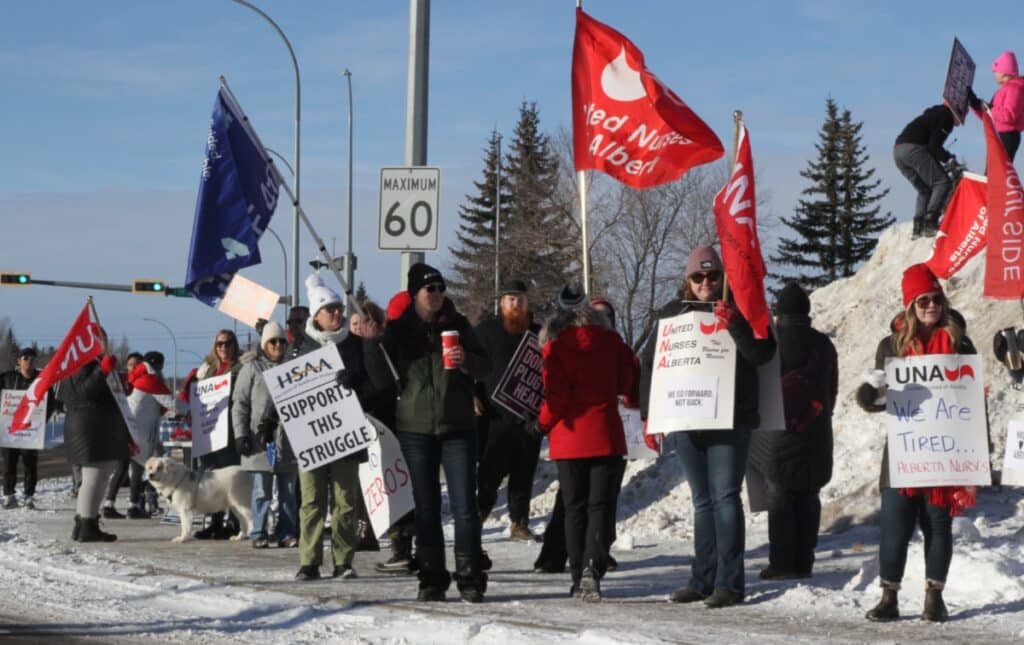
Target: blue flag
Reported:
[(237, 195)]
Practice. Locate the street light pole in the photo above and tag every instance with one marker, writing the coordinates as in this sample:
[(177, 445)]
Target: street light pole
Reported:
[(285, 254), (416, 104), (350, 269), (298, 117), (174, 343)]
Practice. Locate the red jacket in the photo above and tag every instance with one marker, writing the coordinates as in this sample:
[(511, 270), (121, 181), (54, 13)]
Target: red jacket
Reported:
[(586, 368)]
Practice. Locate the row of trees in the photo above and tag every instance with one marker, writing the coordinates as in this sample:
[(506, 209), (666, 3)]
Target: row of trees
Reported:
[(639, 240)]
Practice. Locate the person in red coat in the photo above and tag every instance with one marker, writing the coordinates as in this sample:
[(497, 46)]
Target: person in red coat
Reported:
[(586, 368)]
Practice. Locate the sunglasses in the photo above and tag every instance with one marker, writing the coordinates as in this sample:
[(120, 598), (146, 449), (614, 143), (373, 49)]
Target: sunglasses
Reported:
[(926, 301), (224, 343), (333, 308), (710, 276), (435, 288), (277, 341)]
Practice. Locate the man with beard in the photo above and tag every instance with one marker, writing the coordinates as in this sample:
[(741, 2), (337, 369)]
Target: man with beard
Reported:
[(510, 445)]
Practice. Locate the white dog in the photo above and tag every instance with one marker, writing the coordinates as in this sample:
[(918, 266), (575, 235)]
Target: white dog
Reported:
[(211, 491)]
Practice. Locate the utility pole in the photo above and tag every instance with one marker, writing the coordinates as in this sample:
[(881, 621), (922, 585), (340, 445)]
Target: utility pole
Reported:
[(416, 104), (350, 259)]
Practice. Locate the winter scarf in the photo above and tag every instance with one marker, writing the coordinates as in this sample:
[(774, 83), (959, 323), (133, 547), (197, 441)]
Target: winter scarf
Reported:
[(956, 498), (325, 338)]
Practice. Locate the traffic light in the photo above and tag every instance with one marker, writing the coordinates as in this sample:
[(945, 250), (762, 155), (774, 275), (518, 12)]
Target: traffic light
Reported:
[(157, 287), (15, 279)]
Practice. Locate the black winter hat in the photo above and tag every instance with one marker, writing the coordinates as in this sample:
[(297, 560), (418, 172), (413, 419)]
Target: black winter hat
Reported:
[(792, 301), (513, 286), (571, 296), (155, 359), (420, 275)]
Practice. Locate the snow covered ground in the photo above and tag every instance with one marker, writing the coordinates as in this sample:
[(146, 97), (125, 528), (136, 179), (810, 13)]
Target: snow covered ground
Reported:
[(142, 588)]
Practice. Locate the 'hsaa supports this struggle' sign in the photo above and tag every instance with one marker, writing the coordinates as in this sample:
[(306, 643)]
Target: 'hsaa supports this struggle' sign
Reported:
[(936, 421), (323, 420)]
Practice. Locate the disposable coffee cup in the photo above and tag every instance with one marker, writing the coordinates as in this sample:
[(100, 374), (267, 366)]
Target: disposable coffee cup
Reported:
[(449, 341)]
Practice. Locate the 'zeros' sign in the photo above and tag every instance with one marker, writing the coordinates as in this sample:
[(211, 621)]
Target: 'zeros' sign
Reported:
[(409, 200)]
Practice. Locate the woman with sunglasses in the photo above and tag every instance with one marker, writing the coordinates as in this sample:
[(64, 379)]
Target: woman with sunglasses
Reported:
[(250, 404), (715, 461), (927, 325)]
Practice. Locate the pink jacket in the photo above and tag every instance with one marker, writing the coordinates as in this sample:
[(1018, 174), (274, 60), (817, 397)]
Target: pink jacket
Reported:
[(1008, 106)]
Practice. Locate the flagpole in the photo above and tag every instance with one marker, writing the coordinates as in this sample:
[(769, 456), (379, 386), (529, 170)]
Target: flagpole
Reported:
[(737, 119), (581, 180)]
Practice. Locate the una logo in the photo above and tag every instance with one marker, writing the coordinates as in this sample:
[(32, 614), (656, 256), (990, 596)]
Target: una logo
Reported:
[(299, 372), (710, 328), (926, 374)]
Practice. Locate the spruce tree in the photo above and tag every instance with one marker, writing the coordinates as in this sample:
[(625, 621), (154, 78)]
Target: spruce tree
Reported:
[(837, 222)]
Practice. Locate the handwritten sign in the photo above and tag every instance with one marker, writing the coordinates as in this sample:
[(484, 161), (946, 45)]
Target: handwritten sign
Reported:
[(209, 403), (31, 438), (247, 301), (521, 387), (1013, 458), (385, 480), (959, 78), (694, 381), (936, 421)]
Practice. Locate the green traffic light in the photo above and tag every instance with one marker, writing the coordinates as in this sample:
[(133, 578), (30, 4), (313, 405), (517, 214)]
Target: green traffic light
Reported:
[(22, 279), (157, 286)]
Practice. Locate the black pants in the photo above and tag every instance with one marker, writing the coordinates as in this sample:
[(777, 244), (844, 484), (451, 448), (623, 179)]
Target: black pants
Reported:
[(793, 519), (1011, 141), (135, 483), (510, 452), (589, 489), (30, 460)]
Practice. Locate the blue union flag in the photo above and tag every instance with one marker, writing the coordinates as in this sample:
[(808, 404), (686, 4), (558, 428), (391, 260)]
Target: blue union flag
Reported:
[(238, 193)]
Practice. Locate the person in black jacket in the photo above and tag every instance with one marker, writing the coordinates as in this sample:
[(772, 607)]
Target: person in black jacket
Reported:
[(919, 155), (797, 463), (20, 379), (511, 446)]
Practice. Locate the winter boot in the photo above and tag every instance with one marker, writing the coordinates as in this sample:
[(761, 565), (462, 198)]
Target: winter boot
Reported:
[(470, 578), (934, 608), (722, 597), (686, 594), (434, 579), (111, 513), (401, 556), (931, 225), (520, 532), (78, 528), (89, 531), (136, 513), (29, 503), (308, 572), (11, 502), (918, 227), (589, 586), (887, 608)]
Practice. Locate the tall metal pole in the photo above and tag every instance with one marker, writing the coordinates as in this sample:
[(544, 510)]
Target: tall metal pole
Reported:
[(174, 343), (350, 269), (497, 231), (285, 254), (298, 118), (416, 103)]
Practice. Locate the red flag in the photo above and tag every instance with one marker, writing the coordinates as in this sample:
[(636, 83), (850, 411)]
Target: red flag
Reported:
[(81, 345), (963, 229), (736, 220), (1004, 253), (626, 122)]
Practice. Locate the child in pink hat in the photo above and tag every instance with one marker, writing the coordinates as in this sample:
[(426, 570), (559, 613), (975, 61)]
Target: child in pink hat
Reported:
[(1008, 102)]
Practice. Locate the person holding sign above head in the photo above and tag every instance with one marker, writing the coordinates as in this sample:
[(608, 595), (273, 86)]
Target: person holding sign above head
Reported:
[(1008, 102), (919, 155), (714, 461), (586, 368), (927, 325), (438, 358)]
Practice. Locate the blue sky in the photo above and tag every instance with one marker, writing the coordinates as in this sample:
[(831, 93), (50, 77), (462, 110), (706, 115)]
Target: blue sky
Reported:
[(105, 108)]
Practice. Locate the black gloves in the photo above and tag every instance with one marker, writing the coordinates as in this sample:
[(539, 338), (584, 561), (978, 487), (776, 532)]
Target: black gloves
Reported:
[(267, 427), (973, 100), (244, 446)]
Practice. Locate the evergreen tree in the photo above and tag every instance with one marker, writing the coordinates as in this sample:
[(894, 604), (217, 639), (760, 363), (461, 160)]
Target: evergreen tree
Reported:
[(838, 221), (360, 294)]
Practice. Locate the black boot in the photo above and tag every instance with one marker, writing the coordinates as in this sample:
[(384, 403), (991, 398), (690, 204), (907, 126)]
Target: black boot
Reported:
[(887, 608), (78, 527), (470, 578), (934, 608), (434, 578), (918, 227), (931, 224), (89, 531)]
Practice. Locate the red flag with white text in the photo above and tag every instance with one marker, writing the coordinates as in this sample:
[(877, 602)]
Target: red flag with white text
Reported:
[(626, 122), (735, 211), (963, 229), (81, 345), (1004, 251)]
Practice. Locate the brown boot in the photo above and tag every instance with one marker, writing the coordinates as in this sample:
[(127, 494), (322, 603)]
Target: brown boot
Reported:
[(888, 607), (520, 531), (934, 608)]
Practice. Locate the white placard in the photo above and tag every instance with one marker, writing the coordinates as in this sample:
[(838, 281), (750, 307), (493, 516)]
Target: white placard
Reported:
[(32, 437), (385, 480), (771, 407), (117, 390), (248, 301), (210, 403), (410, 199), (323, 420), (1013, 458), (633, 426), (935, 413), (693, 386)]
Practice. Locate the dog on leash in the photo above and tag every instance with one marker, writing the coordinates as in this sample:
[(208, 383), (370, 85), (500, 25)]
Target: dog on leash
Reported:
[(210, 491)]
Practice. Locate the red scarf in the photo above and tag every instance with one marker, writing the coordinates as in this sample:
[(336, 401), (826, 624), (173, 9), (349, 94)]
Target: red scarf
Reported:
[(956, 498)]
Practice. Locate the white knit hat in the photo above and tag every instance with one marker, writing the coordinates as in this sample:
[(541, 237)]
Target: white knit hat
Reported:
[(320, 295), (270, 331)]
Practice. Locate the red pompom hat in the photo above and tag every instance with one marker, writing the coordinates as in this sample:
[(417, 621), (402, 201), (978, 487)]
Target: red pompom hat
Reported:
[(917, 280)]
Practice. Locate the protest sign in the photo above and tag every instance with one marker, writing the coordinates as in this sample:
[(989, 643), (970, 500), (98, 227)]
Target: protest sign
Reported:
[(633, 427), (937, 428), (323, 420), (769, 395), (694, 380), (385, 480), (959, 78), (31, 438), (210, 403), (521, 387), (248, 301), (117, 390), (1013, 459)]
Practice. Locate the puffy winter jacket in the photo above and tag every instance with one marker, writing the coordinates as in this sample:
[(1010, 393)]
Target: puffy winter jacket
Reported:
[(1008, 106), (94, 429), (250, 402)]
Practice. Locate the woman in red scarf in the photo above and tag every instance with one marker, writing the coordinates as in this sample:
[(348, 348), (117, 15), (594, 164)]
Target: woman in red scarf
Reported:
[(927, 325)]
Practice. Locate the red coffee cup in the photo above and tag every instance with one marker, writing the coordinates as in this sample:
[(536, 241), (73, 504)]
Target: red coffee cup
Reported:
[(449, 341)]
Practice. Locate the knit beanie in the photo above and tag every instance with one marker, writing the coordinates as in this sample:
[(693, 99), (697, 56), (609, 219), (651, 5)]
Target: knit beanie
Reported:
[(918, 280), (156, 359), (271, 331), (703, 258), (1006, 64), (571, 296), (792, 301), (420, 275), (320, 295)]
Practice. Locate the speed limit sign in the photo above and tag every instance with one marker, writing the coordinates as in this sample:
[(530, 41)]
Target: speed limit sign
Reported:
[(409, 199)]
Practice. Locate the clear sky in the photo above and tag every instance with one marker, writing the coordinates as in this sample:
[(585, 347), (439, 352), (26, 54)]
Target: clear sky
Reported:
[(105, 107)]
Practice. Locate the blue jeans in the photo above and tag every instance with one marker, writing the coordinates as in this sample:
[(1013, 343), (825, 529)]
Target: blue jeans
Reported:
[(714, 463), (425, 454), (900, 515), (262, 493)]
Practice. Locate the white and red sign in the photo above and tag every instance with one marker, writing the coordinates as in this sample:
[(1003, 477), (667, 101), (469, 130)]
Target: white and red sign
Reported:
[(1004, 254), (210, 403), (626, 122), (32, 437), (385, 480), (633, 428), (963, 229)]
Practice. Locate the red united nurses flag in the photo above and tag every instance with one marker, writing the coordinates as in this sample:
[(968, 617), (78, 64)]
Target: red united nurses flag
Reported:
[(1004, 253), (626, 122), (81, 345), (736, 220), (963, 229)]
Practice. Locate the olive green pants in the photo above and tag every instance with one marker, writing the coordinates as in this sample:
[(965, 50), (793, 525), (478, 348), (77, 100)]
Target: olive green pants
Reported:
[(342, 477)]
